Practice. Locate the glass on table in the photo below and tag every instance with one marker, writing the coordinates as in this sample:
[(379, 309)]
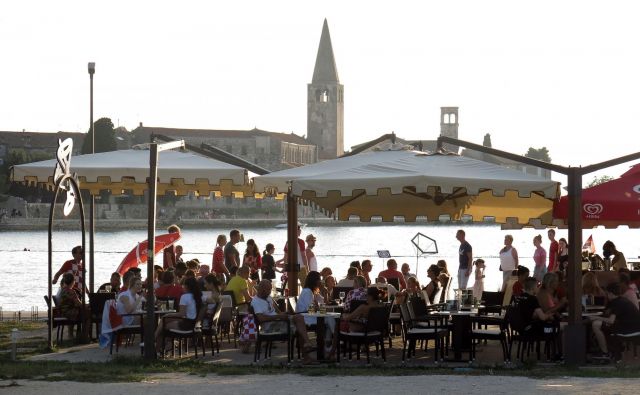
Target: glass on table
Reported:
[(342, 295)]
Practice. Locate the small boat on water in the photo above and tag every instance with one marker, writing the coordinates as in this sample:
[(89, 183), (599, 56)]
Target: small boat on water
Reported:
[(284, 226)]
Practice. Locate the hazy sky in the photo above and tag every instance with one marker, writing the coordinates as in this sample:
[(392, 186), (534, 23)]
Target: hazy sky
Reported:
[(560, 74)]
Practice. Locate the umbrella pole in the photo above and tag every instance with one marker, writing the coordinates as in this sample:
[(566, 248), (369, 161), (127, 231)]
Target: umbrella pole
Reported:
[(150, 323), (292, 242)]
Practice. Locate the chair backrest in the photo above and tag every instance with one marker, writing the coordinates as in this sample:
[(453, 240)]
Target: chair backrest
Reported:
[(395, 282), (96, 301), (354, 304), (226, 301), (418, 306), (337, 290), (446, 287), (377, 320), (437, 296), (492, 298), (513, 316), (293, 303), (233, 297), (405, 315), (215, 319)]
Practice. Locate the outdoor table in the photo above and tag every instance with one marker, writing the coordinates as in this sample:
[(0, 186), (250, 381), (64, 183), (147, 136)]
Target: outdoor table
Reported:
[(585, 314), (595, 307), (337, 308), (320, 329), (461, 330), (141, 314)]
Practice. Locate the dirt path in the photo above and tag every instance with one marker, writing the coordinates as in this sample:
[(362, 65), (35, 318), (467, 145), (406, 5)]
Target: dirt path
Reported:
[(294, 384)]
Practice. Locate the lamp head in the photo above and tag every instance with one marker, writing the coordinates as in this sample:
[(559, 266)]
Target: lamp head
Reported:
[(92, 68)]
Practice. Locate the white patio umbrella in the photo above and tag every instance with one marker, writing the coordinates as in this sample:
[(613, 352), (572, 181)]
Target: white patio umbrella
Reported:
[(411, 184), (128, 170)]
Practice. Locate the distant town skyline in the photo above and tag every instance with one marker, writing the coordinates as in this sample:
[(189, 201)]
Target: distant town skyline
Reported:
[(560, 75)]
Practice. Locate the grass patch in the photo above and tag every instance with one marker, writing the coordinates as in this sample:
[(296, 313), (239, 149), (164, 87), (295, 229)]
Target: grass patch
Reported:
[(134, 370)]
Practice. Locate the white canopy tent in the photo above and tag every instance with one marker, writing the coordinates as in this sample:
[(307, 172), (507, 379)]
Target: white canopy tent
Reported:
[(411, 184), (128, 170)]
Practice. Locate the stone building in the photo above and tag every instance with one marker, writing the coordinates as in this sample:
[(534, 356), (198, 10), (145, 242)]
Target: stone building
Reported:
[(271, 150), (325, 102), (43, 144)]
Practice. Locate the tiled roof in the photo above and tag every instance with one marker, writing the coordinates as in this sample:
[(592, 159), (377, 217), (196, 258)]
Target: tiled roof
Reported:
[(145, 131)]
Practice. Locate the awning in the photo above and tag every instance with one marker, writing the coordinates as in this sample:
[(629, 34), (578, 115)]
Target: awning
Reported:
[(413, 184), (128, 170)]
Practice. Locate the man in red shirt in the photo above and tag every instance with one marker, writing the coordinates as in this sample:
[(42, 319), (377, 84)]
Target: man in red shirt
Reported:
[(168, 289), (518, 286), (169, 254), (392, 272), (553, 251), (73, 266)]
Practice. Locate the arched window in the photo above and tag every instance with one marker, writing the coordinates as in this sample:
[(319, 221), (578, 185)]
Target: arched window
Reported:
[(324, 96), (452, 118)]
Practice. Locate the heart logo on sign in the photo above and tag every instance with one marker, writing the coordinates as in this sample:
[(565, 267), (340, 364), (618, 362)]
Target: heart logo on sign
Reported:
[(636, 189), (593, 209)]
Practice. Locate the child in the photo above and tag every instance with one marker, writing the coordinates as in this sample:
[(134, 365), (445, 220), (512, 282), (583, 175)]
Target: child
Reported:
[(478, 285)]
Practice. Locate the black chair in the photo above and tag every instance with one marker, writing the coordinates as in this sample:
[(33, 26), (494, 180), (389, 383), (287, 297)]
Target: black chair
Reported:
[(492, 302), (239, 310), (527, 340), (192, 331), (59, 322), (498, 331), (96, 303), (269, 337), (395, 282), (412, 333), (211, 330), (354, 304), (375, 331)]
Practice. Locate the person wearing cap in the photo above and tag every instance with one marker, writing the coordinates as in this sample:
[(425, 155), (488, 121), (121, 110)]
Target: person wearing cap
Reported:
[(303, 265), (311, 257)]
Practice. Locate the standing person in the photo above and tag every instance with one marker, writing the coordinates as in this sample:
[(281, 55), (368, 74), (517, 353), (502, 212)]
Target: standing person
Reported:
[(253, 259), (73, 266), (217, 263), (169, 253), (465, 258), (478, 285), (618, 260), (540, 259), (179, 251), (508, 260), (553, 251), (303, 265), (563, 255), (311, 257), (268, 263), (231, 254)]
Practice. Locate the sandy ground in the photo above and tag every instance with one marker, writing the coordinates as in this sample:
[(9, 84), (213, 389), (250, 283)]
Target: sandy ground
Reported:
[(294, 384)]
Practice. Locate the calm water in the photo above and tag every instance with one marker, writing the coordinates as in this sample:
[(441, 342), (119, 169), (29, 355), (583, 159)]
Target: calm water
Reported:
[(26, 271)]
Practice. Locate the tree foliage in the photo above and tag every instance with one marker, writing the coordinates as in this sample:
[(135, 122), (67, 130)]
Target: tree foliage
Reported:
[(539, 154), (599, 180), (105, 137)]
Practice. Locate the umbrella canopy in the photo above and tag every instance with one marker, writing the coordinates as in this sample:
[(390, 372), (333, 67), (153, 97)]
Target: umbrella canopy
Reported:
[(139, 254), (612, 203), (409, 184), (128, 170)]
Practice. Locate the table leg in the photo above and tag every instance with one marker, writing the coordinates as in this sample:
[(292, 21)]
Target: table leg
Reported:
[(461, 339), (320, 337)]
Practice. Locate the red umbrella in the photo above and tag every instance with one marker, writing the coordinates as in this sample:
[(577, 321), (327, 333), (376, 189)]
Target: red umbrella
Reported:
[(139, 254), (613, 203)]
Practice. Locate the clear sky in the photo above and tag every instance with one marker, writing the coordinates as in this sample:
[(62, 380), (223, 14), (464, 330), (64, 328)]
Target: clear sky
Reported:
[(560, 74)]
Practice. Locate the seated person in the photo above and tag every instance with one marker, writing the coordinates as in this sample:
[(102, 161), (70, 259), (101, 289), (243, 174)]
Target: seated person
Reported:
[(129, 302), (354, 321), (381, 283), (623, 317), (547, 298), (413, 287), (307, 298), (357, 293), (533, 316), (126, 279), (348, 281), (327, 289), (71, 306), (168, 289), (211, 296), (239, 284), (628, 289), (518, 286), (189, 307), (434, 286), (273, 320), (114, 283), (392, 272), (591, 287)]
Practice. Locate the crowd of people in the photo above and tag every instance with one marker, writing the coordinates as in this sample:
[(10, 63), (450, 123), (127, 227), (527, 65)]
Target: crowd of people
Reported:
[(195, 287)]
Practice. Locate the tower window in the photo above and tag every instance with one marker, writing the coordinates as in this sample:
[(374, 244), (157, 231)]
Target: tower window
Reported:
[(324, 96), (452, 118)]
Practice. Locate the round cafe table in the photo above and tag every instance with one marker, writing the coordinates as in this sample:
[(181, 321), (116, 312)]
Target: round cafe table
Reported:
[(320, 320)]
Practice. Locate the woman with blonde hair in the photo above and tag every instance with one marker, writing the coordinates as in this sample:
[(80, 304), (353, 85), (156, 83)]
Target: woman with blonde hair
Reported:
[(590, 285), (547, 294)]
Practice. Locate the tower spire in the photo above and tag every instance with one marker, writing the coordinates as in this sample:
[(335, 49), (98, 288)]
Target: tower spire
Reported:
[(325, 70)]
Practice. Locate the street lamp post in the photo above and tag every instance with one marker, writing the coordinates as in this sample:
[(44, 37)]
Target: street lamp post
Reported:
[(92, 228)]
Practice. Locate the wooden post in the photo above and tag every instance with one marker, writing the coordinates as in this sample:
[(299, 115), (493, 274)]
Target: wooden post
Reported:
[(150, 319), (292, 243)]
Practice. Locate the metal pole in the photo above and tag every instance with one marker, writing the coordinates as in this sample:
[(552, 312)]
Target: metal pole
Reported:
[(92, 202), (150, 321), (292, 243), (575, 333)]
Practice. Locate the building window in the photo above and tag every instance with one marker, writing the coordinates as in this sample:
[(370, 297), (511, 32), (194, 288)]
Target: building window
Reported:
[(452, 118), (324, 97)]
